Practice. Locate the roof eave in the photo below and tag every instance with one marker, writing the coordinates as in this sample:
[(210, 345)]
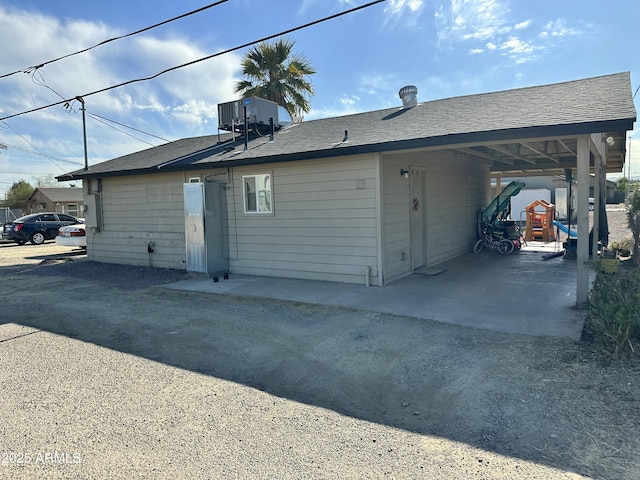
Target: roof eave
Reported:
[(505, 135)]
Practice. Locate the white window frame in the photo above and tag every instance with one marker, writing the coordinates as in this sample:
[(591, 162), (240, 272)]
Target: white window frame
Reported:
[(264, 207), (76, 209)]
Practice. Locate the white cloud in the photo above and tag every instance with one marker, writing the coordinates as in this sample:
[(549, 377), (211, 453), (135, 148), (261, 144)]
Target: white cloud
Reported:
[(108, 65), (518, 50), (349, 101), (176, 104), (523, 25), (399, 6), (489, 24), (347, 105), (558, 28), (471, 19), (405, 13), (374, 83)]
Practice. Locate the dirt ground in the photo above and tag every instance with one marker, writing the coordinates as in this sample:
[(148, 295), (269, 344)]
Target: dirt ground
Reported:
[(123, 378)]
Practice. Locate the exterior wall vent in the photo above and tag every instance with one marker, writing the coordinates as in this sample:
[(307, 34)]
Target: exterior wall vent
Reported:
[(409, 96)]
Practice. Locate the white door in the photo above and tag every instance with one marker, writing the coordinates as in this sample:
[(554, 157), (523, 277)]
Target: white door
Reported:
[(194, 227), (418, 189)]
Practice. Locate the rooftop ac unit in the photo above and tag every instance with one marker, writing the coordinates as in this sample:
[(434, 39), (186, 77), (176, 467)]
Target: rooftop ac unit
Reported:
[(259, 112)]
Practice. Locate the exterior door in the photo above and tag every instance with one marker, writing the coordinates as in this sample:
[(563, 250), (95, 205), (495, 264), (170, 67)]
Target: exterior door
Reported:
[(194, 227), (418, 189)]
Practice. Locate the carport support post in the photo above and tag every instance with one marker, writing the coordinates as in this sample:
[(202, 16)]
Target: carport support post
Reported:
[(597, 165), (582, 252)]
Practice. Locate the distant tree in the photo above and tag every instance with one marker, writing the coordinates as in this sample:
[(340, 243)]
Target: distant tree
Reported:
[(633, 216), (46, 181), (275, 73), (622, 184), (18, 194)]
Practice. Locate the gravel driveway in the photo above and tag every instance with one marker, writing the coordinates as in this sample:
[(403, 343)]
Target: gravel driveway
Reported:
[(105, 374)]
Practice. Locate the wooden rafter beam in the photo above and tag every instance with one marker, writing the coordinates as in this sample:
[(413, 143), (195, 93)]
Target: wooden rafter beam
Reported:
[(476, 153), (507, 152), (541, 153), (561, 142)]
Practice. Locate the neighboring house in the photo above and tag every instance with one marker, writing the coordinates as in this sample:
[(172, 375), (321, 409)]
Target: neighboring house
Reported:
[(611, 193), (60, 200), (365, 198)]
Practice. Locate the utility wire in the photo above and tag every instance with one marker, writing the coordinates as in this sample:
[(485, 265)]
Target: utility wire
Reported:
[(41, 154), (37, 150), (98, 119), (69, 106), (126, 126), (151, 77), (36, 67)]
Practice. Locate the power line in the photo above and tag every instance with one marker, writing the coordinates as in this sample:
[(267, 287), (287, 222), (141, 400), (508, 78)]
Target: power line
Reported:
[(151, 77), (69, 106), (98, 119), (36, 67), (38, 151), (126, 126), (44, 155)]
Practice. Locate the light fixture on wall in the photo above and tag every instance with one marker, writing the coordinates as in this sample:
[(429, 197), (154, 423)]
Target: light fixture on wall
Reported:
[(610, 141), (404, 173)]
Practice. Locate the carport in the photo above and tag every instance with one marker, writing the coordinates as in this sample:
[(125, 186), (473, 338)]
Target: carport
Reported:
[(587, 136), (556, 154)]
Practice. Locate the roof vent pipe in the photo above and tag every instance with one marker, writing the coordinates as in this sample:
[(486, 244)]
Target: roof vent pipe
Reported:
[(409, 96)]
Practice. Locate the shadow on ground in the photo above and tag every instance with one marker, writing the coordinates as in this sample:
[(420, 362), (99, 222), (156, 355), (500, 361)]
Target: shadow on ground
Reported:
[(541, 399)]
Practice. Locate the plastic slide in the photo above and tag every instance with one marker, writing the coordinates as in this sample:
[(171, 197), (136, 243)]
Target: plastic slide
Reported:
[(565, 229)]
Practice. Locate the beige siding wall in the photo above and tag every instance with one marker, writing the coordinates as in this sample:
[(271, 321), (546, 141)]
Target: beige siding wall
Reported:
[(456, 191), (396, 220), (137, 210), (327, 221), (324, 225)]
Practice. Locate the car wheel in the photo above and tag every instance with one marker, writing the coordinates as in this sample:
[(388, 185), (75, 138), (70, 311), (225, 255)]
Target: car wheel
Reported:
[(37, 238)]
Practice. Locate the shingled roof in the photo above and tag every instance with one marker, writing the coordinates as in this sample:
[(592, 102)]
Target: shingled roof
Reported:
[(463, 124), (56, 194)]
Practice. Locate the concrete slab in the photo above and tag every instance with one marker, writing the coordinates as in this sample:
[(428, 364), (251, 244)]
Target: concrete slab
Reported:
[(519, 293)]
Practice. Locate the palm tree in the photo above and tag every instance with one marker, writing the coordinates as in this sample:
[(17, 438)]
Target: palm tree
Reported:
[(275, 73)]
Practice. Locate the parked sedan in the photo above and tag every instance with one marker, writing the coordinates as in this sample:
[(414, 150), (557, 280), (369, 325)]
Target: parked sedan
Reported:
[(37, 227), (72, 236)]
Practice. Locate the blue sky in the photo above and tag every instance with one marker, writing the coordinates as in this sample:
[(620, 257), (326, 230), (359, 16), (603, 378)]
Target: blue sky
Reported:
[(445, 48)]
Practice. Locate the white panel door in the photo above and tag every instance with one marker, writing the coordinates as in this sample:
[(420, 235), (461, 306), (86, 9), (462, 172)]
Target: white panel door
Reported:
[(418, 205)]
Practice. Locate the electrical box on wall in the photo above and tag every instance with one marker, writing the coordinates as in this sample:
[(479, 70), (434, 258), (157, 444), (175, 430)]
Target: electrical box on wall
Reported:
[(93, 211)]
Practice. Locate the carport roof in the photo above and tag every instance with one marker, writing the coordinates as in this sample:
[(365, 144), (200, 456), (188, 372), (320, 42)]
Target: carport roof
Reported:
[(523, 131)]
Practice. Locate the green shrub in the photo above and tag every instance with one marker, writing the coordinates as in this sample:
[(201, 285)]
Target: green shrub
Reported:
[(613, 320)]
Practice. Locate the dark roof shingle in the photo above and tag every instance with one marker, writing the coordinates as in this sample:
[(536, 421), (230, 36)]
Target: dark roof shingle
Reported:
[(577, 107)]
